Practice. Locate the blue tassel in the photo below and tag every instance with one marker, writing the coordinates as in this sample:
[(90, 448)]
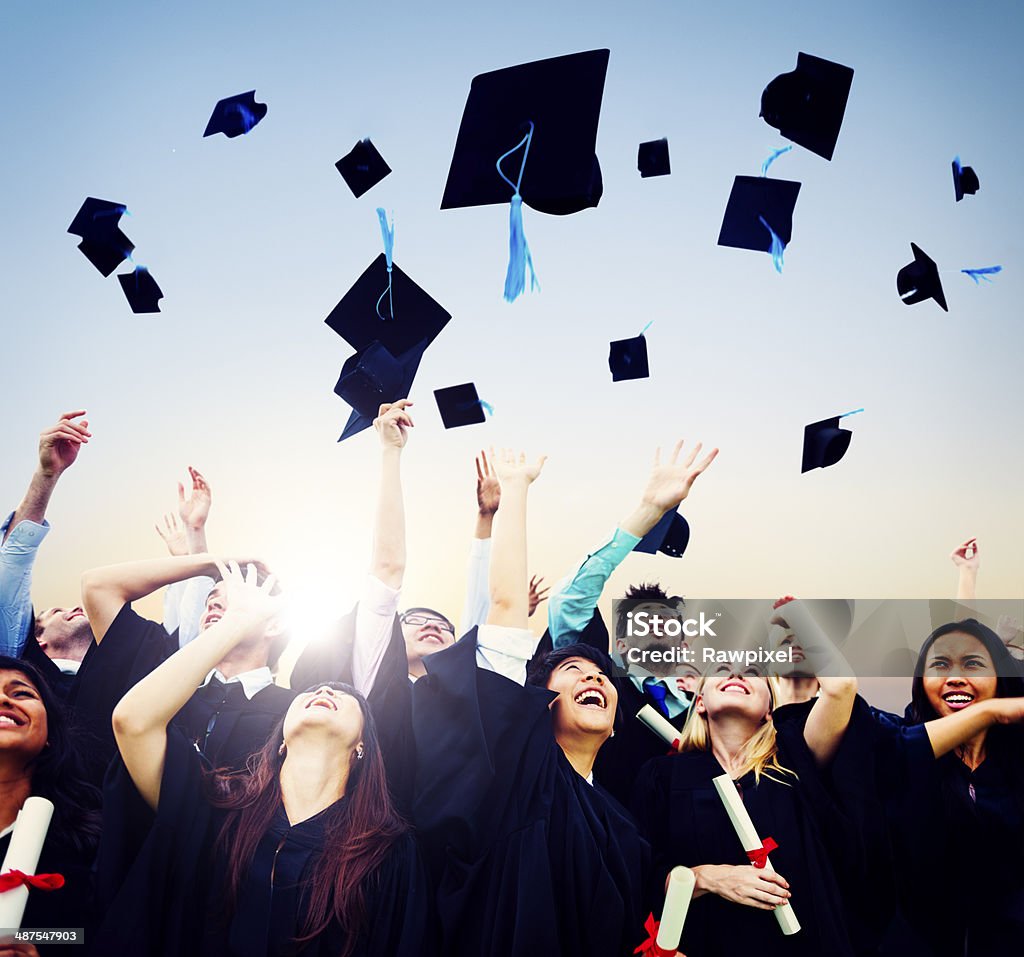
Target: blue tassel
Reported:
[(246, 115), (984, 273), (771, 159), (778, 246), (388, 234), (854, 412), (519, 258)]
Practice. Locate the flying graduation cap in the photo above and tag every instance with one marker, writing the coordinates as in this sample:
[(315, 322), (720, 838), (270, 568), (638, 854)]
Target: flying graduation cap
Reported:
[(388, 344), (825, 443), (103, 243), (759, 215), (460, 405), (965, 180), (362, 167), (528, 135), (141, 290), (652, 159), (670, 536), (919, 281), (627, 358), (807, 105), (235, 115)]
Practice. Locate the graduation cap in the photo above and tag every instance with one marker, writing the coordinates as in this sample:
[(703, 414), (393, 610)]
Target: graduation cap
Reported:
[(103, 243), (627, 359), (362, 167), (670, 536), (919, 280), (807, 105), (372, 376), (825, 443), (235, 115), (965, 180), (759, 215), (652, 159), (416, 316), (460, 405), (141, 290)]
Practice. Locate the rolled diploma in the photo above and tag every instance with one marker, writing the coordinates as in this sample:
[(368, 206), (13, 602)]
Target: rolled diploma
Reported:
[(660, 725), (681, 881), (23, 852), (744, 829)]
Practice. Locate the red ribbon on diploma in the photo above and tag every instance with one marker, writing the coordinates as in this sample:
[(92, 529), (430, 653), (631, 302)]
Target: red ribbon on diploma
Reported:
[(650, 948), (759, 856), (41, 882)]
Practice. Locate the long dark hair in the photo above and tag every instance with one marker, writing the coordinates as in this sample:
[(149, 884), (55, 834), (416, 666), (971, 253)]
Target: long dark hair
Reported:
[(359, 831), (58, 774)]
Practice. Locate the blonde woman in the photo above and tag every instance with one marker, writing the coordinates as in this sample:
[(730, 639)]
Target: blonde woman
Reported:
[(730, 731)]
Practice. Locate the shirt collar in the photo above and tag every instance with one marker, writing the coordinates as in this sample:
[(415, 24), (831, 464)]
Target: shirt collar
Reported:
[(252, 682), (67, 666)]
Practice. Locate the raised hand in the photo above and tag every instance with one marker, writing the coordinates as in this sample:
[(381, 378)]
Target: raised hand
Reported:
[(60, 444), (173, 535), (249, 607), (393, 424), (488, 488), (670, 483), (1009, 631), (195, 509), (966, 555), (537, 594), (510, 467)]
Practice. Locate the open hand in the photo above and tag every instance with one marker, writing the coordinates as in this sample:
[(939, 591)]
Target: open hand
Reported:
[(669, 484), (393, 424), (60, 444), (488, 488), (173, 535), (248, 606), (195, 509), (509, 467), (537, 594)]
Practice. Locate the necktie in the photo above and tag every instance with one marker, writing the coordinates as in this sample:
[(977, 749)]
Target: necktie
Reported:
[(657, 692)]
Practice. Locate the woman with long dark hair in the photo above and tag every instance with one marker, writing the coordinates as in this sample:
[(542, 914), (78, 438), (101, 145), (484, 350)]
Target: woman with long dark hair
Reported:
[(952, 785), (39, 757), (301, 854)]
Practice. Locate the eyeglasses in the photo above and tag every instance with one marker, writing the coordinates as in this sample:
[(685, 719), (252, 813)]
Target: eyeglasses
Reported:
[(441, 623)]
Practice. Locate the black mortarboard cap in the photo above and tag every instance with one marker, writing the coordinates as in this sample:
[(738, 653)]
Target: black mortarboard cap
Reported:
[(670, 536), (362, 167), (416, 316), (459, 405), (236, 115), (141, 290), (103, 243), (753, 198), (372, 376), (627, 359), (652, 159), (562, 98), (965, 180), (919, 280), (824, 444), (807, 105)]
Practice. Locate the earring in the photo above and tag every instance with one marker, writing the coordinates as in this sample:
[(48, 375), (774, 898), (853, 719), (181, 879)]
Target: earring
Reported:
[(281, 750), (359, 752), (612, 735)]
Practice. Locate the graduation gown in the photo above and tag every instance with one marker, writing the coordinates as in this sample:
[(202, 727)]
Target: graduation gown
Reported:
[(390, 698), (684, 819), (70, 906), (528, 858), (170, 900), (957, 839), (226, 726)]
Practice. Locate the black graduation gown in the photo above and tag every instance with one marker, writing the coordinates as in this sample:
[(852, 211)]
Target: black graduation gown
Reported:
[(60, 683), (390, 699), (684, 819), (170, 900), (528, 858), (67, 907), (225, 725), (957, 840)]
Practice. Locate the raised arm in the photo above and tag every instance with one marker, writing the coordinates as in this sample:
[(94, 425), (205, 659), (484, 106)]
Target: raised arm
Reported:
[(388, 560), (478, 590), (965, 557), (574, 599), (194, 511), (950, 732), (510, 604), (829, 717), (141, 718), (107, 589)]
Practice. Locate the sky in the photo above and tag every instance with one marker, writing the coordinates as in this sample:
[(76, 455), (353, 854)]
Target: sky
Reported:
[(255, 239)]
